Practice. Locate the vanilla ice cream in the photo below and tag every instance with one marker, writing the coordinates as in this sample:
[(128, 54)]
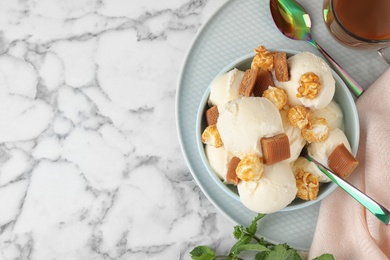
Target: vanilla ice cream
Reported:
[(273, 192), (333, 115), (300, 64), (295, 138), (225, 88), (321, 150), (307, 166), (218, 159), (244, 121)]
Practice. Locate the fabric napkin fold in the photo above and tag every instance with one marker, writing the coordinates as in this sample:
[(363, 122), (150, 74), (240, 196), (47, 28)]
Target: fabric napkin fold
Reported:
[(345, 228)]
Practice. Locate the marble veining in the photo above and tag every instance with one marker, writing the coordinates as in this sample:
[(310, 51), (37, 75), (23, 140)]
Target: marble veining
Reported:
[(90, 163)]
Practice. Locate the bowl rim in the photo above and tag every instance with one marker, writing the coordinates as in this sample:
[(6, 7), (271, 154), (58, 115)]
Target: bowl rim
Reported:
[(331, 186)]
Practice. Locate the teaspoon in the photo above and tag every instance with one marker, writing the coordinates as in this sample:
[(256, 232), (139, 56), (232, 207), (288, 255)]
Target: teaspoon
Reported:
[(374, 207), (294, 22)]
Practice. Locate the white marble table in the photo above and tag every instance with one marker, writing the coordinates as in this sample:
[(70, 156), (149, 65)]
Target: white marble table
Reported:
[(90, 161)]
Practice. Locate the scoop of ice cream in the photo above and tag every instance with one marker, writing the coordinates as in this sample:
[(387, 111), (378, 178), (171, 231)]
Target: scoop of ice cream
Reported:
[(333, 115), (321, 150), (218, 159), (225, 88), (307, 166), (300, 64), (244, 121), (274, 191), (296, 140)]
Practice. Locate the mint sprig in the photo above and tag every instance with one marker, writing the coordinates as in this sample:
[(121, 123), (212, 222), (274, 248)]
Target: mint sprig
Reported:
[(202, 253), (248, 241)]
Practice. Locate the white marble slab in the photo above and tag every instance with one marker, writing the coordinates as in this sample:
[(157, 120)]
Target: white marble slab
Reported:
[(90, 163)]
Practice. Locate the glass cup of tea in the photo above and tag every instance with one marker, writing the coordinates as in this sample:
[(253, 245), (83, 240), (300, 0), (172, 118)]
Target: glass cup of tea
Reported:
[(361, 24)]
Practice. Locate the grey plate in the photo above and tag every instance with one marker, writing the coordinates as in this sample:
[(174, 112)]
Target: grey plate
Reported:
[(234, 30)]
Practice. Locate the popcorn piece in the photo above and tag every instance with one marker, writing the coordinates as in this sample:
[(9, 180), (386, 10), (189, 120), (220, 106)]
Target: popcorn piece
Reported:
[(263, 81), (342, 162), (211, 136), (251, 167), (263, 59), (316, 131), (309, 86), (277, 96), (275, 148), (231, 176), (307, 184), (248, 82), (212, 115), (280, 65), (299, 116)]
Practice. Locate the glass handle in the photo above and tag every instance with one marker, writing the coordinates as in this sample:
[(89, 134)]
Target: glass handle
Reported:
[(385, 53)]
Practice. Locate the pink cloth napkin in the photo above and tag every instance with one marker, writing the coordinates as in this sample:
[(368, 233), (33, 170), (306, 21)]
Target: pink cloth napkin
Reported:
[(345, 228)]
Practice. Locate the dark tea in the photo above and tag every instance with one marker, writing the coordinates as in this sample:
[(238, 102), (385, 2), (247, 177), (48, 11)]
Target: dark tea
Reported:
[(359, 23)]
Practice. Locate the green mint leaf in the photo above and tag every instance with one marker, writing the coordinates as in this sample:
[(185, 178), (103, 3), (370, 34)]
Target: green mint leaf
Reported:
[(237, 233), (262, 241), (249, 247), (282, 252), (253, 227), (262, 255), (244, 236), (202, 253), (245, 239), (324, 257)]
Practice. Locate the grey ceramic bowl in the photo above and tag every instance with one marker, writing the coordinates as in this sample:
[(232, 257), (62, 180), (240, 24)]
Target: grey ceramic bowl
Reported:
[(342, 96)]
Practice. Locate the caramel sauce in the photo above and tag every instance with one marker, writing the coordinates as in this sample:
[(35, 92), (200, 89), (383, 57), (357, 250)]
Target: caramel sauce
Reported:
[(367, 19)]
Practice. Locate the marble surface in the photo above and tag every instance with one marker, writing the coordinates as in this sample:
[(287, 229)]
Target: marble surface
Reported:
[(90, 161)]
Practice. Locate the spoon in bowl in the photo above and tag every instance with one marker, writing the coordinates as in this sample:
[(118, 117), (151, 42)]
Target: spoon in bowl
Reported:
[(294, 22), (374, 207)]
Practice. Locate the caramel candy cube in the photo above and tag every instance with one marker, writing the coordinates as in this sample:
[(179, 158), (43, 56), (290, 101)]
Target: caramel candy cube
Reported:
[(263, 81), (342, 162), (212, 115), (275, 148), (231, 176), (248, 82), (280, 65)]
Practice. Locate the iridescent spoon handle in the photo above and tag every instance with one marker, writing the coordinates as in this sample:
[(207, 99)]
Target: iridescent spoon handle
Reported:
[(374, 207), (352, 84)]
